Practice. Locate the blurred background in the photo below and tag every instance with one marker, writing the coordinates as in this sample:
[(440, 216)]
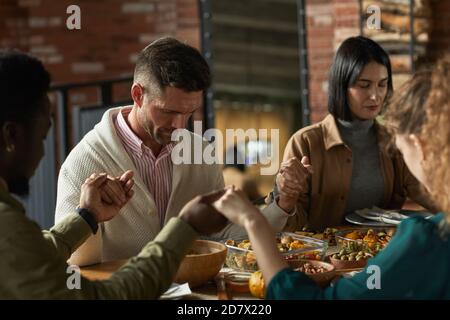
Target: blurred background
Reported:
[(270, 61)]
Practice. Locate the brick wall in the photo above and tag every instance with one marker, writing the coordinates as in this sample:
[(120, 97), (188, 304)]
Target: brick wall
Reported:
[(328, 23), (346, 20), (320, 25), (112, 33), (13, 19)]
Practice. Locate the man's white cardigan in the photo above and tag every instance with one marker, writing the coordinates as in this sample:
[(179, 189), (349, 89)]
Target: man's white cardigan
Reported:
[(101, 150)]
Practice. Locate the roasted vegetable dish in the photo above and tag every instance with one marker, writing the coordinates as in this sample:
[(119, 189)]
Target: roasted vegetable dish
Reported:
[(241, 257)]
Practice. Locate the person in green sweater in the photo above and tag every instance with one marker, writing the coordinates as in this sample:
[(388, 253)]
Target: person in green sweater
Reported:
[(416, 263), (33, 262)]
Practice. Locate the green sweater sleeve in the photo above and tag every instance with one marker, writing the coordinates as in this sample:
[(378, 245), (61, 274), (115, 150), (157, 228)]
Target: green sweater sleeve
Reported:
[(34, 266), (67, 235)]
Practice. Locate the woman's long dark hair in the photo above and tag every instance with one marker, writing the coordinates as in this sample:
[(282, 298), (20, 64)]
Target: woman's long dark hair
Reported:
[(351, 57)]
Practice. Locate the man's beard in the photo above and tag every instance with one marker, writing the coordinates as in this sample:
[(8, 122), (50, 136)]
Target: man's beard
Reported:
[(149, 129), (19, 186), (161, 139), (154, 134)]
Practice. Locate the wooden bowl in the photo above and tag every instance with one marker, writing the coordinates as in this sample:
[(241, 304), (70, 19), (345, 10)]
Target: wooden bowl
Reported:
[(322, 279), (345, 264), (203, 265)]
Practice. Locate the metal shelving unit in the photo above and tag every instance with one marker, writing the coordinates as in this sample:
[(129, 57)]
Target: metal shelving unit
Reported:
[(412, 43)]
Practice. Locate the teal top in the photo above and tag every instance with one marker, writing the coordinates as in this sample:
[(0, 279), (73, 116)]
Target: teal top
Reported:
[(415, 265)]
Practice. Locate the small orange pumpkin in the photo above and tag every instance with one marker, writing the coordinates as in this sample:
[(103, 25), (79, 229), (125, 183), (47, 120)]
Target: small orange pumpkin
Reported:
[(257, 285)]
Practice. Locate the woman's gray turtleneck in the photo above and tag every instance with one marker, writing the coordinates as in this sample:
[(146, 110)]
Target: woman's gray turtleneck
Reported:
[(366, 189)]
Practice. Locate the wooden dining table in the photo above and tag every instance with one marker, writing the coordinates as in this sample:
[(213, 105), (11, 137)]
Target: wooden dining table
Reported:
[(208, 291)]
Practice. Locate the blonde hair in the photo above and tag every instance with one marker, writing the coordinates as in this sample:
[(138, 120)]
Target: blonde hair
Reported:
[(422, 107)]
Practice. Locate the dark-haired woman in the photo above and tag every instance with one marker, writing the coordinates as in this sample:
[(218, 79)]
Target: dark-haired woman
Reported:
[(340, 164)]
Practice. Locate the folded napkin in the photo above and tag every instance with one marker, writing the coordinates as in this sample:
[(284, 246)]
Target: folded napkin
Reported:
[(176, 291)]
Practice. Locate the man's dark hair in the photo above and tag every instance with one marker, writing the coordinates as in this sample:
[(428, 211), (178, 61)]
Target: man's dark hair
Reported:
[(168, 62), (24, 83), (350, 59)]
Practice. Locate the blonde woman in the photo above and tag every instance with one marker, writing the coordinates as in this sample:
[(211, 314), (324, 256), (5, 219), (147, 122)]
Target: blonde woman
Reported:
[(419, 118)]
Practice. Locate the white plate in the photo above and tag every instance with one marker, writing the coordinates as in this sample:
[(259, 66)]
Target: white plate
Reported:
[(355, 219), (381, 215)]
